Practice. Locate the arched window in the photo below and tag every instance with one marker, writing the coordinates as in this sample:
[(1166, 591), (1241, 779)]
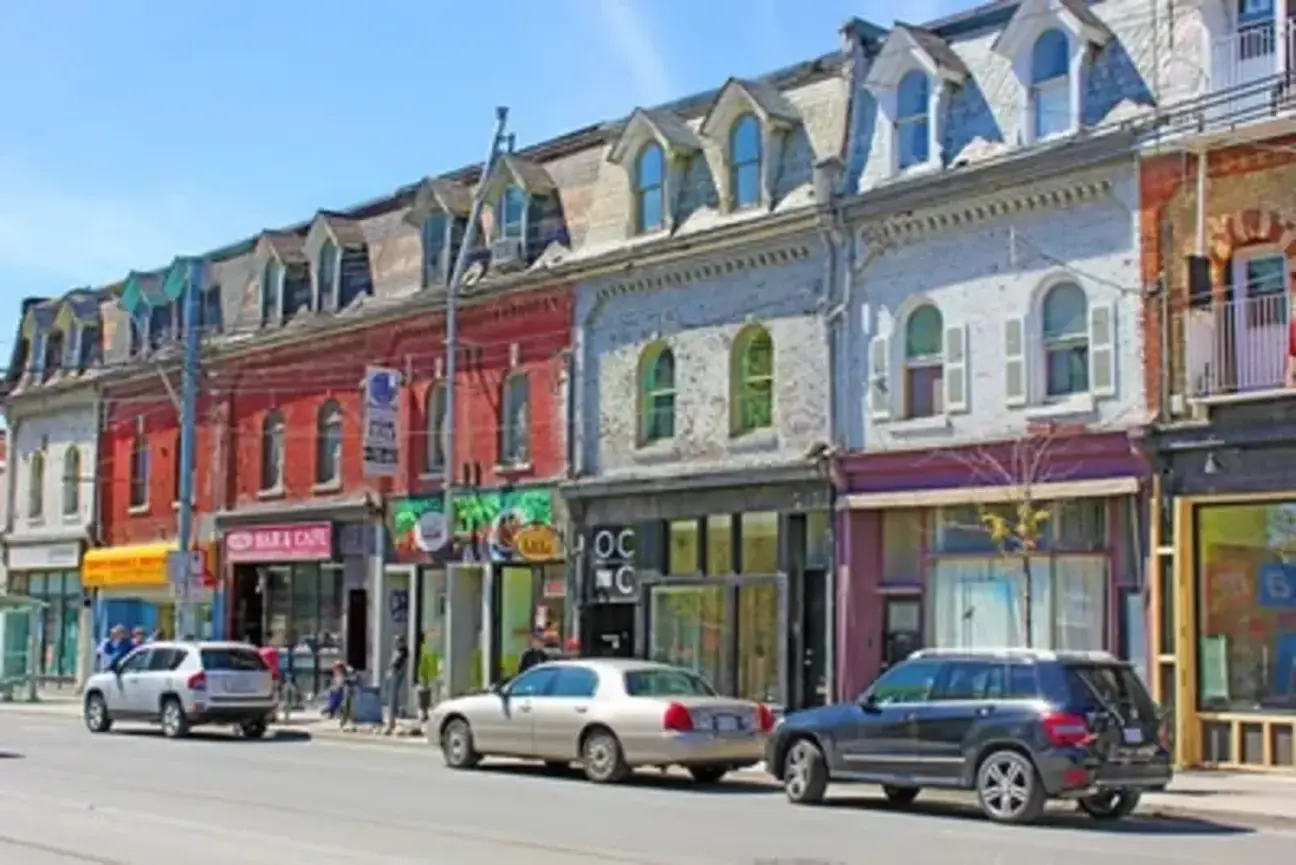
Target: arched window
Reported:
[(752, 378), (139, 470), (650, 189), (657, 394), (36, 486), (924, 368), (745, 162), (272, 451), (271, 277), (512, 212), (1066, 340), (1050, 87), (436, 431), (328, 444), (326, 272), (913, 120), (515, 421), (72, 482)]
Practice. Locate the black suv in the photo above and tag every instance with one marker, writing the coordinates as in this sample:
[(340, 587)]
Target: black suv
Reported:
[(1017, 726)]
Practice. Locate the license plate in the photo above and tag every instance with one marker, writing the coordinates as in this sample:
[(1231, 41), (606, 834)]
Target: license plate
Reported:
[(237, 687), (1133, 736), (726, 724)]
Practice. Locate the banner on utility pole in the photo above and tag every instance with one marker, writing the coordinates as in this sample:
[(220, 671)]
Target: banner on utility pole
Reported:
[(381, 421)]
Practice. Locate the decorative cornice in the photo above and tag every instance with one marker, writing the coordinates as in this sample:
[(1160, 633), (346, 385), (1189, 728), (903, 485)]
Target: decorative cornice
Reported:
[(911, 227), (691, 271)]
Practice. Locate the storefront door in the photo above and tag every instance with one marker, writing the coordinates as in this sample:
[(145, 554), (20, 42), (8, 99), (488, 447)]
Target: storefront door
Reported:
[(59, 620)]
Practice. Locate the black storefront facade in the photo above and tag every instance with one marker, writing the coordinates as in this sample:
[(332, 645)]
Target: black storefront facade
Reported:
[(1223, 611), (729, 574)]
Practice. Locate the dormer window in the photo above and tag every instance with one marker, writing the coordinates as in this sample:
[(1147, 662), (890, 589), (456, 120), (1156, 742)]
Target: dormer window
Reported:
[(53, 361), (271, 284), (88, 346), (512, 214), (161, 324), (326, 272), (210, 314), (650, 189), (1050, 87), (745, 162), (913, 120), (1047, 42), (435, 245)]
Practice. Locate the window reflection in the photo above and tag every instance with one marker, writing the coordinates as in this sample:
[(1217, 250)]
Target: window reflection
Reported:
[(688, 629), (683, 550), (719, 545)]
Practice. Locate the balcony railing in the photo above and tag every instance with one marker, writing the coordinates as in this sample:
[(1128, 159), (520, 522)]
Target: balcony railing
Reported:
[(1250, 73), (1238, 346)]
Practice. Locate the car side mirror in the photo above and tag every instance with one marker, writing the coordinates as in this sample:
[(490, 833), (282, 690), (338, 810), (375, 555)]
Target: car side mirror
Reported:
[(868, 702)]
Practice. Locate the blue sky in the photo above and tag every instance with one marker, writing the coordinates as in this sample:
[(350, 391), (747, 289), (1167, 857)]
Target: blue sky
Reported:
[(135, 130)]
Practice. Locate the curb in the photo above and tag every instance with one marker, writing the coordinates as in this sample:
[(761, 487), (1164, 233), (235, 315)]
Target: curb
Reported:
[(1238, 819)]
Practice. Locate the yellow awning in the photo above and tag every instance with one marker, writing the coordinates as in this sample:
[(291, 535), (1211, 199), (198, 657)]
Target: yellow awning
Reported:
[(134, 565)]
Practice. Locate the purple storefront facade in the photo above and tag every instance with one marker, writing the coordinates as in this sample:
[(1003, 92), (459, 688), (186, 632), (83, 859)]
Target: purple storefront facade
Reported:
[(916, 569)]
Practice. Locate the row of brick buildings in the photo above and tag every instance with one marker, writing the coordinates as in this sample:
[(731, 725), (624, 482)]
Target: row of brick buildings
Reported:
[(744, 378)]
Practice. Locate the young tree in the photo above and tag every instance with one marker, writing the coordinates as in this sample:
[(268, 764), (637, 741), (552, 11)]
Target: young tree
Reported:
[(1018, 524)]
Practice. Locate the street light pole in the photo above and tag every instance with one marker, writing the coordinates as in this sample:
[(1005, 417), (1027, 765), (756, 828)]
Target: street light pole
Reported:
[(452, 320), (188, 438)]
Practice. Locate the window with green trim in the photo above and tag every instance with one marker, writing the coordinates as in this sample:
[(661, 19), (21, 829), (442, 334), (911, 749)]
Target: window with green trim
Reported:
[(753, 381), (657, 395)]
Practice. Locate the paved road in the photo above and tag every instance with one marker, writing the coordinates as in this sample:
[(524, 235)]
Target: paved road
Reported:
[(135, 799)]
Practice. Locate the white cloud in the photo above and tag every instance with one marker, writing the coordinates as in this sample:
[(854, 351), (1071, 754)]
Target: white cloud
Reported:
[(80, 237), (633, 42)]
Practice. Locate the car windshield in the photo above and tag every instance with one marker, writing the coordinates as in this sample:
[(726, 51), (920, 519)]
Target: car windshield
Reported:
[(1109, 686), (666, 683), (233, 660)]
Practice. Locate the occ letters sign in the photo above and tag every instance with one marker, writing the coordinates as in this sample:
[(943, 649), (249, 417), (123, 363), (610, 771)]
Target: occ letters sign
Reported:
[(610, 551)]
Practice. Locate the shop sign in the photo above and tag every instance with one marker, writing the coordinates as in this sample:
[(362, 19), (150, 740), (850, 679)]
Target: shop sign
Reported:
[(537, 543), (497, 524), (281, 543), (610, 553), (44, 557)]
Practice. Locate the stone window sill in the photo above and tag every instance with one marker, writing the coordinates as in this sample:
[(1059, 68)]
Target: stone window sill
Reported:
[(333, 486), (138, 510), (662, 451), (512, 470), (916, 426), (754, 441), (1067, 406), (276, 492), (175, 506), (35, 522)]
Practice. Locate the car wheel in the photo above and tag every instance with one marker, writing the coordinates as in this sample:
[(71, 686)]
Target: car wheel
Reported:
[(899, 795), (1116, 805), (708, 774), (457, 745), (253, 729), (602, 758), (1008, 788), (805, 773), (174, 723), (96, 714)]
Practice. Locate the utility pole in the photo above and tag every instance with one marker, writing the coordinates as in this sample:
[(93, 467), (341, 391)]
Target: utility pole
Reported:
[(452, 317), (185, 625)]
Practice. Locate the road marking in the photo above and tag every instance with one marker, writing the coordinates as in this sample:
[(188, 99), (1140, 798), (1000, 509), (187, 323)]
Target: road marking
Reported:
[(62, 852)]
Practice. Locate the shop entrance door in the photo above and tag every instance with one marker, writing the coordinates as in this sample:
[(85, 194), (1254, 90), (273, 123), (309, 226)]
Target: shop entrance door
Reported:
[(609, 631), (811, 680)]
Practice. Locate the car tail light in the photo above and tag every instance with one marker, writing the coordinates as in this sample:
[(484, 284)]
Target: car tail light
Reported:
[(764, 718), (677, 719), (1064, 729), (197, 682)]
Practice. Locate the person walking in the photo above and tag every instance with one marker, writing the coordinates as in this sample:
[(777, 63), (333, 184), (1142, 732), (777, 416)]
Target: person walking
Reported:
[(396, 669), (534, 655), (115, 647)]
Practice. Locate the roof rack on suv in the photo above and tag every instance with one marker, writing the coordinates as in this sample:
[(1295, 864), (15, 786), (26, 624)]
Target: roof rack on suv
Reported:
[(1010, 652)]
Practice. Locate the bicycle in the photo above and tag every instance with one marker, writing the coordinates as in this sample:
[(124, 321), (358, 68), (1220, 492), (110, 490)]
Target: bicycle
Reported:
[(288, 698)]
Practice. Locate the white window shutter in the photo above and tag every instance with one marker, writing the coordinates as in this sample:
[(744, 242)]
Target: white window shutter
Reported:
[(1102, 349), (879, 390), (1015, 362), (956, 369)]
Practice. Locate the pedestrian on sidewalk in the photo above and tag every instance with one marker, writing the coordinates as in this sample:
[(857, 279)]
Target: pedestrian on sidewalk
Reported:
[(138, 637), (534, 655), (396, 669), (114, 648)]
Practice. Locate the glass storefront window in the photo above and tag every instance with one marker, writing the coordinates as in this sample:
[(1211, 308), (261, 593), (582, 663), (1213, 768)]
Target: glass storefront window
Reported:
[(683, 549), (687, 628), (818, 540), (517, 590), (719, 545), (59, 621), (1246, 589), (760, 540), (1165, 574), (758, 642), (304, 618)]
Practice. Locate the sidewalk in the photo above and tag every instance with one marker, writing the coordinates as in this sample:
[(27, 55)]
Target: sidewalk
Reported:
[(1226, 797)]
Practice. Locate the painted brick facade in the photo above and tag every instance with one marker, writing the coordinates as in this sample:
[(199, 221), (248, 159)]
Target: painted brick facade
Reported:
[(700, 322), (299, 381), (53, 429), (980, 275)]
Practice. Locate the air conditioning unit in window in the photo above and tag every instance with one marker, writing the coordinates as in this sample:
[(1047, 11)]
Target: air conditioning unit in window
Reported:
[(508, 253)]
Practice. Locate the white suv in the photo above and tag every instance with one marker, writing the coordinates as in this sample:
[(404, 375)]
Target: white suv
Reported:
[(182, 685)]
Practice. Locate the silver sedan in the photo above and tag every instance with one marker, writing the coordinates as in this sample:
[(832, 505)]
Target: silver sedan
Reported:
[(611, 715)]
